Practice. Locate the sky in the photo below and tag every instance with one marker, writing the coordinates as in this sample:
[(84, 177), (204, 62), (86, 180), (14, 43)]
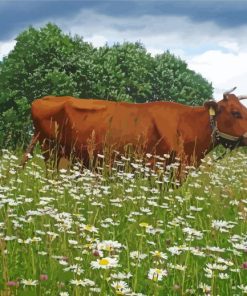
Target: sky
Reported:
[(209, 35)]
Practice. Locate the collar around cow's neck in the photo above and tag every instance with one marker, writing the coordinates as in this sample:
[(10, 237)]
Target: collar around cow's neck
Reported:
[(218, 137)]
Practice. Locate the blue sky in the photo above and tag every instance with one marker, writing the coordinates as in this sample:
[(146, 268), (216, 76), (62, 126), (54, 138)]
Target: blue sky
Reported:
[(209, 35)]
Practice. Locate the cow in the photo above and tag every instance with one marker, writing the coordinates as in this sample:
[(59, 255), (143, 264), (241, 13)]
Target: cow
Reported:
[(85, 127)]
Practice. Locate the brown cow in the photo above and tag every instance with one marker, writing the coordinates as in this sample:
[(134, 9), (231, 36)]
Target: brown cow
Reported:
[(85, 126)]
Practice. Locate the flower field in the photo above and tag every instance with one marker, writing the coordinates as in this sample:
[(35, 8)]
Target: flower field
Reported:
[(128, 231)]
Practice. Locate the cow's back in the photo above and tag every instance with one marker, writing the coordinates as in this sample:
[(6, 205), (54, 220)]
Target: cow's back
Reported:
[(110, 123)]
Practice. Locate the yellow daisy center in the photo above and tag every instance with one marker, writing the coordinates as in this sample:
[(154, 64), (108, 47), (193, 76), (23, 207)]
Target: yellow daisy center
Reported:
[(88, 227), (144, 224), (104, 261)]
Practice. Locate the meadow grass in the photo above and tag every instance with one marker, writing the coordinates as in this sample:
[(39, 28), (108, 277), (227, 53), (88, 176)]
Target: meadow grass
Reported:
[(128, 231)]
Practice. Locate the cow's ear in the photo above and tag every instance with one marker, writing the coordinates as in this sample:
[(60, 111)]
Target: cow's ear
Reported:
[(212, 107)]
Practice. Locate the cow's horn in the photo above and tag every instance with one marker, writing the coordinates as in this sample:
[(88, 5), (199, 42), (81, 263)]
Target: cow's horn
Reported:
[(229, 91), (242, 97), (226, 93)]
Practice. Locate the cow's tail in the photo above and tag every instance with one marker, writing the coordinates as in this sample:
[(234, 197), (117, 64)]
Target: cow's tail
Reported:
[(29, 150)]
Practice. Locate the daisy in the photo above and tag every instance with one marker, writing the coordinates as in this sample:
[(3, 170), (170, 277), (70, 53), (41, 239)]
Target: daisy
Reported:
[(159, 255), (137, 255), (121, 288), (156, 274), (29, 282), (77, 282), (243, 288), (223, 276), (104, 263), (89, 228), (109, 245)]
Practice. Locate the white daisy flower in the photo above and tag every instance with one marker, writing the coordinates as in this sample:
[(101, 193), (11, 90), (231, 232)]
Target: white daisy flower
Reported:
[(156, 274), (104, 263), (29, 282)]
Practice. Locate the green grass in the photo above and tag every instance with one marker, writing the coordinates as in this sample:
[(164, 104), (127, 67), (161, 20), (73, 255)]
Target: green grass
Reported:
[(60, 230)]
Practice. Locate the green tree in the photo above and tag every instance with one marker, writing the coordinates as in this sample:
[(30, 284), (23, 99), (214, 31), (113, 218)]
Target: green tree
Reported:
[(43, 62), (122, 72), (173, 81)]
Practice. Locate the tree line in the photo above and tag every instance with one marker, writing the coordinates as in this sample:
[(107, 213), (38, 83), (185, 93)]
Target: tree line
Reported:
[(46, 61)]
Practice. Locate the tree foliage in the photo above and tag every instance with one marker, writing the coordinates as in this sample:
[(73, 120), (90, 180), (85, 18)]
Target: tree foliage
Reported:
[(123, 72), (48, 62), (173, 81)]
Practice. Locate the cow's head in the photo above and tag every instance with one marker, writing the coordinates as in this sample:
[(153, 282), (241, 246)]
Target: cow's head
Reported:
[(231, 118)]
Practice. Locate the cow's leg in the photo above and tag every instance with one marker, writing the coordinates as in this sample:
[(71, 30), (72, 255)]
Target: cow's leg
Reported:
[(52, 153), (29, 149)]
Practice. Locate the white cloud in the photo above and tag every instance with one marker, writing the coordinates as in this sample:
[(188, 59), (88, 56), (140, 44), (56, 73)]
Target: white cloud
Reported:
[(219, 54), (6, 47), (225, 70), (97, 40)]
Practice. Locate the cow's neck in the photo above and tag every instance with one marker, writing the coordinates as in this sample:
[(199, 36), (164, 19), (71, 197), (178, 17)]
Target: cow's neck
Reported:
[(198, 141)]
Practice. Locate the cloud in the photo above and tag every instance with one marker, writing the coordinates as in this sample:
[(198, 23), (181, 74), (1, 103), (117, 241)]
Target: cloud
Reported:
[(97, 40), (225, 70), (6, 47), (18, 14), (159, 32)]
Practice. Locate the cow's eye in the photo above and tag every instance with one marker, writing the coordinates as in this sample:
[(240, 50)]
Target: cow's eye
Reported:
[(236, 114)]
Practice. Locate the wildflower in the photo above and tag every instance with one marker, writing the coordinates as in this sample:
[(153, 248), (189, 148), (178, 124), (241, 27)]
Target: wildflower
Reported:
[(156, 274), (72, 242), (205, 288), (215, 266), (42, 253), (109, 245), (77, 282), (74, 268), (144, 224), (223, 276), (224, 261), (96, 290), (104, 263), (222, 226), (43, 277), (244, 265), (121, 288), (137, 255), (177, 266), (63, 294), (159, 255), (83, 283), (215, 249), (243, 288), (174, 250), (63, 262), (89, 228), (195, 209), (29, 282), (197, 252), (12, 284), (145, 210), (209, 273), (88, 282)]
